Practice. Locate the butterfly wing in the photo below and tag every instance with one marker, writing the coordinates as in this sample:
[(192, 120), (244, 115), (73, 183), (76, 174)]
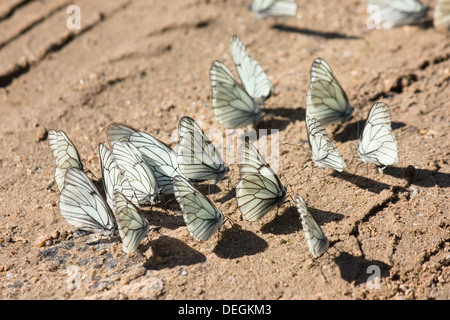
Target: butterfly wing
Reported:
[(82, 205), (160, 157), (326, 101), (378, 144), (138, 173), (259, 190), (201, 216), (133, 227), (399, 12), (441, 15), (316, 239), (114, 178), (65, 153), (275, 8), (233, 107), (323, 151), (252, 76), (197, 157)]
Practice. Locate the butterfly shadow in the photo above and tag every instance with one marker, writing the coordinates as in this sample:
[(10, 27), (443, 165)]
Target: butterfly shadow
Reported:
[(286, 222), (362, 182), (160, 218), (420, 177), (359, 270), (353, 130), (231, 194), (169, 252), (278, 118), (235, 243), (314, 33)]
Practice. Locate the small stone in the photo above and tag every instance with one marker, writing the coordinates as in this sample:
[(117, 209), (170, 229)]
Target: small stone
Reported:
[(41, 240), (55, 234), (41, 134)]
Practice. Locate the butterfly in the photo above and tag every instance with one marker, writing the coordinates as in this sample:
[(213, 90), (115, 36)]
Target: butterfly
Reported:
[(317, 241), (161, 158), (65, 154), (236, 105), (277, 8), (233, 107), (259, 190), (114, 178), (326, 101), (133, 227), (441, 15), (252, 76), (197, 157), (82, 205), (323, 151), (395, 13), (201, 216), (378, 144), (138, 173)]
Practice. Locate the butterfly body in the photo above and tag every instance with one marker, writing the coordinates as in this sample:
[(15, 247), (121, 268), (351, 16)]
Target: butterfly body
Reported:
[(317, 241), (197, 157), (323, 151), (378, 144), (82, 205), (201, 216), (326, 100), (259, 189)]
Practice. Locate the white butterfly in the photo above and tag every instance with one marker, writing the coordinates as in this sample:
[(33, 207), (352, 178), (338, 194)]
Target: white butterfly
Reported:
[(114, 178), (201, 216), (82, 205), (138, 173), (160, 157), (65, 153), (259, 190), (326, 101), (277, 8), (252, 76), (317, 241), (323, 151), (198, 159), (133, 227), (378, 144), (441, 15), (395, 13), (233, 107)]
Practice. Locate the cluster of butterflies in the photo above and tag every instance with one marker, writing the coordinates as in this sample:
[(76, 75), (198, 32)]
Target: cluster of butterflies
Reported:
[(390, 13), (139, 168), (237, 105)]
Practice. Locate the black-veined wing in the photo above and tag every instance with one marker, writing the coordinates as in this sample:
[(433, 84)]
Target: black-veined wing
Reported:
[(159, 156), (275, 8), (253, 77), (259, 189), (395, 13), (198, 159), (65, 153), (136, 170), (378, 144), (326, 101), (82, 205), (323, 151), (317, 241), (233, 107), (133, 227), (201, 216), (114, 178), (441, 15)]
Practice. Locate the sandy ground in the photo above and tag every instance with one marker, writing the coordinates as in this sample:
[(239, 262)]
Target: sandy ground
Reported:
[(146, 63)]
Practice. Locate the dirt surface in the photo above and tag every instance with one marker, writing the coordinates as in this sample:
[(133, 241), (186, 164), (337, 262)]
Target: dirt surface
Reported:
[(146, 63)]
